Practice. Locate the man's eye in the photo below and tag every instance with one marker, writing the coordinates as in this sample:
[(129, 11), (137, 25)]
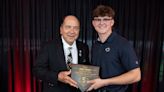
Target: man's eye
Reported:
[(68, 27), (97, 19), (107, 19), (72, 27), (102, 19), (76, 28)]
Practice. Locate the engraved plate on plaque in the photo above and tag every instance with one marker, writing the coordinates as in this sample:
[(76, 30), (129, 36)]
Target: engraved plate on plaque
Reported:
[(83, 73)]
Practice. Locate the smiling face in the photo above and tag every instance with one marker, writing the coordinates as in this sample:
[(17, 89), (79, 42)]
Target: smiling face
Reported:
[(103, 20), (70, 29), (103, 25)]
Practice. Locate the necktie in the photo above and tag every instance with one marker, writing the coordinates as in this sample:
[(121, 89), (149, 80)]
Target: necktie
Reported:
[(69, 58)]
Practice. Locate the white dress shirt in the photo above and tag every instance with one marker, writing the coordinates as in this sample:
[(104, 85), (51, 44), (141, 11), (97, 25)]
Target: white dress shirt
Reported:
[(74, 51)]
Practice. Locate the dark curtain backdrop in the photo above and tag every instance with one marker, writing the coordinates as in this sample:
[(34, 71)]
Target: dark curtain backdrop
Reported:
[(26, 24)]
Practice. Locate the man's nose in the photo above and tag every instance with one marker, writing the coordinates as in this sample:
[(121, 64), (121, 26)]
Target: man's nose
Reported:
[(75, 28), (102, 21)]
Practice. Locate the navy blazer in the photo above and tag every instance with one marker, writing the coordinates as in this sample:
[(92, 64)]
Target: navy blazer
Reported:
[(51, 61)]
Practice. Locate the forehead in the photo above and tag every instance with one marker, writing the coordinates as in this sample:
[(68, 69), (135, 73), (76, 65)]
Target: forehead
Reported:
[(71, 20), (101, 17)]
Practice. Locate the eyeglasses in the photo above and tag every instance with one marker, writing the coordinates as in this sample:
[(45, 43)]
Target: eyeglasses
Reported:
[(68, 27), (104, 19)]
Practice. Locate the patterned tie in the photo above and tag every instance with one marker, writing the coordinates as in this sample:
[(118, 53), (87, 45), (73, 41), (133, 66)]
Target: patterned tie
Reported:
[(69, 58)]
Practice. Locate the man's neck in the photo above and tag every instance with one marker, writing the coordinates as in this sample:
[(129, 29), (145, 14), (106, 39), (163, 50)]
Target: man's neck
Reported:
[(104, 37), (66, 44)]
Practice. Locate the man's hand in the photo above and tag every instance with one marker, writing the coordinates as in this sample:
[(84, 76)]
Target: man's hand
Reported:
[(65, 78), (96, 83)]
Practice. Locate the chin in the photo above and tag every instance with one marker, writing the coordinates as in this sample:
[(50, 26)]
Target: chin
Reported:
[(71, 40), (102, 32)]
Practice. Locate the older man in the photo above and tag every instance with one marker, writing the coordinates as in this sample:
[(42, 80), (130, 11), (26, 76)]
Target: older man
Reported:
[(52, 64)]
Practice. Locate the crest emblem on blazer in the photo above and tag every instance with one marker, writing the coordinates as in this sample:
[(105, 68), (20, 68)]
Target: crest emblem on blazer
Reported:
[(107, 49), (80, 53)]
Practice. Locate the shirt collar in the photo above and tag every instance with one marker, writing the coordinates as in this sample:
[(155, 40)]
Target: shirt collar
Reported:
[(66, 45), (109, 39)]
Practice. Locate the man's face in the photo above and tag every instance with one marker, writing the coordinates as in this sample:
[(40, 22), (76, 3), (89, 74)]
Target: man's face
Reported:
[(103, 24), (70, 29)]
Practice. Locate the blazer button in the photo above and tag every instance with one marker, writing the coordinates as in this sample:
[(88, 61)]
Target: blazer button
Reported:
[(84, 60), (50, 84)]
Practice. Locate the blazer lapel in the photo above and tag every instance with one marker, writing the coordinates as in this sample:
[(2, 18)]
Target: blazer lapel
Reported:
[(60, 52)]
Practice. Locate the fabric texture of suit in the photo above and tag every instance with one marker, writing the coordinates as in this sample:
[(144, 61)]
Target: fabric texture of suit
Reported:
[(51, 61)]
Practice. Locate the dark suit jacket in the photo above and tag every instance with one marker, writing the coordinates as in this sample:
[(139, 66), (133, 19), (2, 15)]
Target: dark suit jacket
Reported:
[(51, 61)]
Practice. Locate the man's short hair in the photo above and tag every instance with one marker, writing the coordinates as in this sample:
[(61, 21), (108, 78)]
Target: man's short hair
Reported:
[(103, 10)]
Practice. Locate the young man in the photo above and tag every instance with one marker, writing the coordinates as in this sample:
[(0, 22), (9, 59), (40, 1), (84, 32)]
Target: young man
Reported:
[(52, 63), (118, 63)]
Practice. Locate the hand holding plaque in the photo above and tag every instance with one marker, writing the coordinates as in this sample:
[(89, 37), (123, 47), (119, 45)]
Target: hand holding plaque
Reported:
[(83, 73)]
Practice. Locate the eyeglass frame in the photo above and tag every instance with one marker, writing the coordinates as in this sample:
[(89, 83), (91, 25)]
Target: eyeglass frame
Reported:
[(96, 19)]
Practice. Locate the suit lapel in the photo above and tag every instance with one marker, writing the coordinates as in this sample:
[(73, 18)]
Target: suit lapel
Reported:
[(60, 52)]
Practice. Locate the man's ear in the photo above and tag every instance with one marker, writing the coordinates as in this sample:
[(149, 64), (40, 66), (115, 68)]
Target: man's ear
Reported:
[(112, 22), (93, 22), (60, 29)]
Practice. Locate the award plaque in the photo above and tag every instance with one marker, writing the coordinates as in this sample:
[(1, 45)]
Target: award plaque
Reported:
[(83, 73)]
